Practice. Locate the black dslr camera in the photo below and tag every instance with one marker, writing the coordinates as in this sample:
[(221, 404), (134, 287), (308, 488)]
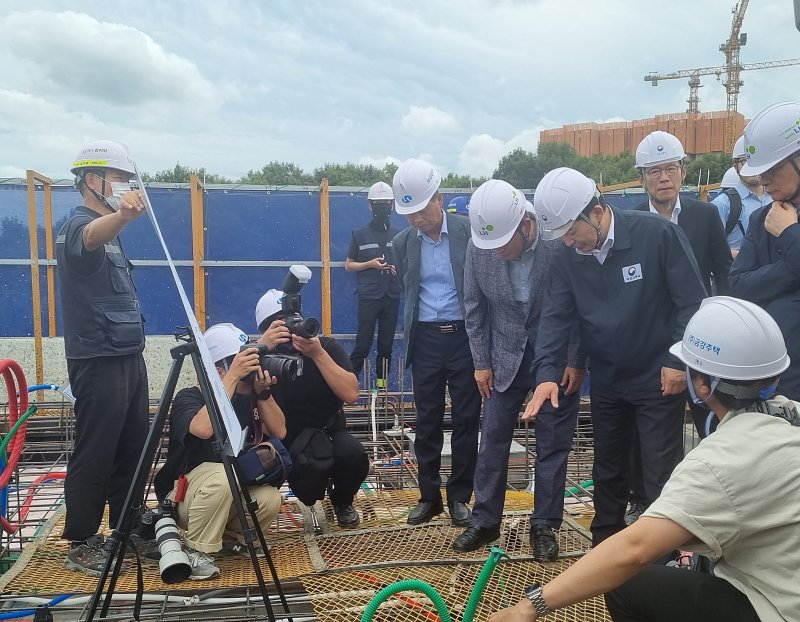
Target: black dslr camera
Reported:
[(308, 327), (284, 367)]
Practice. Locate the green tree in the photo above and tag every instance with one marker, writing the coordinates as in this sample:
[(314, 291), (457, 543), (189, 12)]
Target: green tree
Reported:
[(277, 173), (349, 174), (181, 174), (708, 168), (454, 180), (518, 168)]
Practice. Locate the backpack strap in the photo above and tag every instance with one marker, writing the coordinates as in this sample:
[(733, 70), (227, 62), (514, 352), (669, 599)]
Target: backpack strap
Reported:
[(735, 214)]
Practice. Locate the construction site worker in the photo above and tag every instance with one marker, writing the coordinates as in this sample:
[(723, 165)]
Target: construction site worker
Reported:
[(459, 205), (631, 280), (207, 511), (370, 256), (430, 261), (313, 401), (767, 268), (734, 498), (659, 159), (740, 196), (103, 343), (505, 274)]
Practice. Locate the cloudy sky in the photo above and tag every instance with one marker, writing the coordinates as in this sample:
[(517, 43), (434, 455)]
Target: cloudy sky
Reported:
[(233, 84)]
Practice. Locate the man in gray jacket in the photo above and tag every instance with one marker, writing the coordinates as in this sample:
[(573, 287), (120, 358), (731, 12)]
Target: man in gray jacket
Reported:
[(430, 262), (505, 274)]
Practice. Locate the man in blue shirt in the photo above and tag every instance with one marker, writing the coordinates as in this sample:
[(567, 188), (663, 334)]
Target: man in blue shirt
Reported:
[(429, 257), (751, 195)]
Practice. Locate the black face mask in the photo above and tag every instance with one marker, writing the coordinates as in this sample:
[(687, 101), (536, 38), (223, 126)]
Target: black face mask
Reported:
[(382, 211)]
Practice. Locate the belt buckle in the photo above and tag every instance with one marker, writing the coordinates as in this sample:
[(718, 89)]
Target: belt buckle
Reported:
[(447, 328)]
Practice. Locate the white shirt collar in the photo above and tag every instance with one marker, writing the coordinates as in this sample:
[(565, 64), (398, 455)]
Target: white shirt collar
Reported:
[(601, 253), (675, 210)]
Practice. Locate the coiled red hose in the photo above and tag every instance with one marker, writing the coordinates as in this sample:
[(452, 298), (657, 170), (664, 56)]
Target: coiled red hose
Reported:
[(17, 389)]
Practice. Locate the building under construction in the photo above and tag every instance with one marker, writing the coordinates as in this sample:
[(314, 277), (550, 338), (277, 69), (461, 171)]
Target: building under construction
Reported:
[(700, 133)]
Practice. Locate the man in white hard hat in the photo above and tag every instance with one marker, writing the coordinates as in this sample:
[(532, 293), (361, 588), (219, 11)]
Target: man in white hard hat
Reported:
[(430, 261), (371, 257), (505, 276), (734, 498), (659, 159), (103, 343), (205, 507), (631, 281), (768, 264), (313, 402), (739, 198)]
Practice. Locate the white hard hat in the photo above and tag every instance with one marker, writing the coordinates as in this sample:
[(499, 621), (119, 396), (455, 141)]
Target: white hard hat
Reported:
[(103, 154), (738, 149), (657, 148), (529, 207), (732, 339), (269, 304), (380, 191), (560, 198), (224, 340), (773, 135), (415, 182), (729, 179), (495, 211)]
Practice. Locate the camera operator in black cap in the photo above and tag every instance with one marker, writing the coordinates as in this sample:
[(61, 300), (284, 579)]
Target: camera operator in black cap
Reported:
[(312, 404)]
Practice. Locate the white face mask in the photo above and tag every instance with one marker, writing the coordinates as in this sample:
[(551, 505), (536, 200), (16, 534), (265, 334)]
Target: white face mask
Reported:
[(118, 190)]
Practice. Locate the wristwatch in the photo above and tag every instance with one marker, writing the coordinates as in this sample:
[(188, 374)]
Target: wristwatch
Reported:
[(534, 594), (264, 395)]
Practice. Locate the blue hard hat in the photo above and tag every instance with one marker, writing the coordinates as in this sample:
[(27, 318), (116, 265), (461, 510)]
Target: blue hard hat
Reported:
[(459, 205)]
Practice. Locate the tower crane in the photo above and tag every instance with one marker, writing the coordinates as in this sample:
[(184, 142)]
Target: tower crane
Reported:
[(731, 70)]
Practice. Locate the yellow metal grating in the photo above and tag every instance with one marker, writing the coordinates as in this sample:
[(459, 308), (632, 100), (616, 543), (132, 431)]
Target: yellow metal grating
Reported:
[(344, 596)]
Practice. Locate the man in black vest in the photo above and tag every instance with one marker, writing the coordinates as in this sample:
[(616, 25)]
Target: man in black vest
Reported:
[(372, 259), (103, 342)]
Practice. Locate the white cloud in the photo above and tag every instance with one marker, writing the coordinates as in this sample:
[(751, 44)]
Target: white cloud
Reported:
[(481, 153), (424, 121), (75, 55), (379, 162)]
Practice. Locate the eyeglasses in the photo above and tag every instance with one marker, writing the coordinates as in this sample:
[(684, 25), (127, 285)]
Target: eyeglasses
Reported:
[(655, 173)]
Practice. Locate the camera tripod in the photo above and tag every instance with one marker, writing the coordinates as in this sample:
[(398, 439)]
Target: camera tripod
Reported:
[(117, 542)]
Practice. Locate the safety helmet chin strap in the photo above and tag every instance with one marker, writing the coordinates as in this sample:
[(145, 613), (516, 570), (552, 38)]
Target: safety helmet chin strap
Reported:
[(598, 200), (794, 198), (100, 196)]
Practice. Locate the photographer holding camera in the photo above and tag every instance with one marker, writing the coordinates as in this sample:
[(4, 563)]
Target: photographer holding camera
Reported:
[(324, 454), (194, 476)]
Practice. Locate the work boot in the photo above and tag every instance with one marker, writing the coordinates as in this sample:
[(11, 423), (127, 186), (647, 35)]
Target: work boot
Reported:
[(543, 543), (346, 515), (88, 557), (424, 512), (474, 538)]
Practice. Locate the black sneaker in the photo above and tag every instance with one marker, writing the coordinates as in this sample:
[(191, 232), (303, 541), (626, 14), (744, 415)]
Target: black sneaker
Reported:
[(346, 515), (89, 558)]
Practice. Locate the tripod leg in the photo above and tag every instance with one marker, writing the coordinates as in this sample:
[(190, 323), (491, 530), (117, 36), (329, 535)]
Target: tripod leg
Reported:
[(133, 500)]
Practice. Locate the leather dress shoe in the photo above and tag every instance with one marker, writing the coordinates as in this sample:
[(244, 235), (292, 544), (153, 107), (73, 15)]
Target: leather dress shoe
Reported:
[(460, 514), (474, 538), (543, 543), (424, 511)]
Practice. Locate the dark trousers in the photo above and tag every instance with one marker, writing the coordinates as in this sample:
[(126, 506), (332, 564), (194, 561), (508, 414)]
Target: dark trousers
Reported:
[(664, 594), (554, 429), (440, 360), (111, 425), (350, 467), (384, 312), (658, 421)]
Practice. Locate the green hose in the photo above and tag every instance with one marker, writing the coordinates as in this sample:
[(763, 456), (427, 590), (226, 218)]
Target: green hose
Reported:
[(402, 586), (426, 588), (576, 489), (15, 427), (480, 583)]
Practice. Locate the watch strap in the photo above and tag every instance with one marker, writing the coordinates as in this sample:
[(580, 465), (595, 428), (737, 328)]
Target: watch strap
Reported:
[(534, 594)]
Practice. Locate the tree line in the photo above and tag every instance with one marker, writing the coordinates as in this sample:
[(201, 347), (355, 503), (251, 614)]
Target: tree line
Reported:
[(522, 169)]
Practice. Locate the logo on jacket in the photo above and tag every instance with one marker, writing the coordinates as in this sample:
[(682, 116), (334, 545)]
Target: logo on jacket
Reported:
[(632, 273)]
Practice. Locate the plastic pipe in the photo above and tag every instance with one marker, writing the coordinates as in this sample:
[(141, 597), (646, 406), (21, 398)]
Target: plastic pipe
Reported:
[(475, 596), (43, 387), (21, 613), (402, 586), (580, 488)]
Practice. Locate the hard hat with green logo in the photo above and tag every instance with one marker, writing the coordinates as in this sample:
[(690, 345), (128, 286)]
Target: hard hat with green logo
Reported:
[(495, 211)]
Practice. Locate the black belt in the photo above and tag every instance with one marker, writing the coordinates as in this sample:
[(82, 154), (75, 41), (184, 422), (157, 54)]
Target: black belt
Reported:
[(445, 327)]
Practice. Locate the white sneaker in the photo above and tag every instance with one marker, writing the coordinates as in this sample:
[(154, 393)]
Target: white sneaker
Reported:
[(202, 566)]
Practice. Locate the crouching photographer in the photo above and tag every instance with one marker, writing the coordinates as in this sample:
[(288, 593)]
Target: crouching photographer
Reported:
[(325, 456), (193, 477)]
